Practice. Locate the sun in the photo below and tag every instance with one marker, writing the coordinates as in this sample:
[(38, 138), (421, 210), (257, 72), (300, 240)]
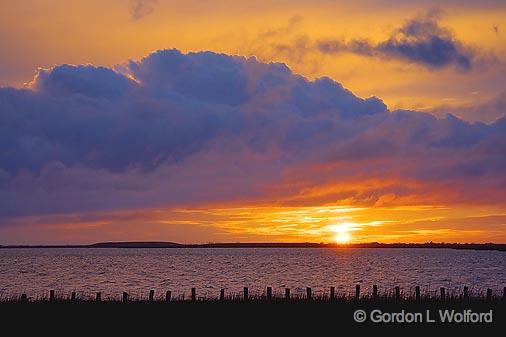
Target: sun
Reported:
[(343, 231), (343, 237)]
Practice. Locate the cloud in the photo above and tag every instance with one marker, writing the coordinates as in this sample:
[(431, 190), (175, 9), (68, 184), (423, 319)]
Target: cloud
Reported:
[(142, 8), (177, 105), (86, 80), (205, 128), (486, 111), (420, 40), (293, 24), (287, 42)]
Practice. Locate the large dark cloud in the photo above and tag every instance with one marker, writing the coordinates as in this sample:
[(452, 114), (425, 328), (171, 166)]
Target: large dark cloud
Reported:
[(103, 119), (420, 40), (177, 128)]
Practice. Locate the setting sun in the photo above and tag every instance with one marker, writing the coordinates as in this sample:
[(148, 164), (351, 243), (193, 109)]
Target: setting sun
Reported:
[(343, 231), (343, 238)]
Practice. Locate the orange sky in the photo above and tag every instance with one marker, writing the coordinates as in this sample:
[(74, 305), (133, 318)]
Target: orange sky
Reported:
[(327, 223), (47, 33)]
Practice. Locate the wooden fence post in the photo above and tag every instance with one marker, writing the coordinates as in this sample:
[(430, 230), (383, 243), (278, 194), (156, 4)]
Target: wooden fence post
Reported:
[(151, 295), (73, 296), (245, 293), (125, 297), (269, 293), (51, 296), (308, 294), (194, 294), (168, 295), (222, 294), (332, 293)]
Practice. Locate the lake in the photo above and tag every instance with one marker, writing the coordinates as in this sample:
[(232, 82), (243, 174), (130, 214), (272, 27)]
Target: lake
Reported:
[(113, 270)]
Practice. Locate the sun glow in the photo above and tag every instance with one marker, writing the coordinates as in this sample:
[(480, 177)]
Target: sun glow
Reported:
[(343, 238), (343, 230)]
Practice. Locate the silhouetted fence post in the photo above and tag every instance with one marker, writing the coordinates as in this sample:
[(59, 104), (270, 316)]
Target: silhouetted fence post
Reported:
[(443, 295), (269, 293), (245, 293)]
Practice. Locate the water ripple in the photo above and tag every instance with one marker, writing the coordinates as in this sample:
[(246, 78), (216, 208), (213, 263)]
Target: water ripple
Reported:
[(112, 271)]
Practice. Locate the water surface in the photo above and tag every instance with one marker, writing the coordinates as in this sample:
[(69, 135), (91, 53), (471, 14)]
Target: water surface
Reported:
[(114, 270)]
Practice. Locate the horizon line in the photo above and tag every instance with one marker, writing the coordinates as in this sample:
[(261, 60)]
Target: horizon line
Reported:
[(169, 244)]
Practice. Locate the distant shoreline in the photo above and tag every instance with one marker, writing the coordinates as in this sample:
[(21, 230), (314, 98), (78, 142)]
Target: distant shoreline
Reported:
[(161, 244)]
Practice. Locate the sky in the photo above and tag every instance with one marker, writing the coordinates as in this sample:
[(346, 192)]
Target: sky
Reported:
[(233, 121)]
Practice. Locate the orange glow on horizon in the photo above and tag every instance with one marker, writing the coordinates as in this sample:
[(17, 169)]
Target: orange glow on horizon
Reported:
[(327, 223)]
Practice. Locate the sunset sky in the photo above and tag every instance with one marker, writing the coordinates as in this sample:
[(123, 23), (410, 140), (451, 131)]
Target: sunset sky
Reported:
[(252, 121)]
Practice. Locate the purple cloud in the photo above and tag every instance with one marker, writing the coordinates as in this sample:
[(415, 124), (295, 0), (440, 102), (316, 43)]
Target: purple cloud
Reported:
[(420, 40), (489, 110), (175, 129), (86, 80)]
